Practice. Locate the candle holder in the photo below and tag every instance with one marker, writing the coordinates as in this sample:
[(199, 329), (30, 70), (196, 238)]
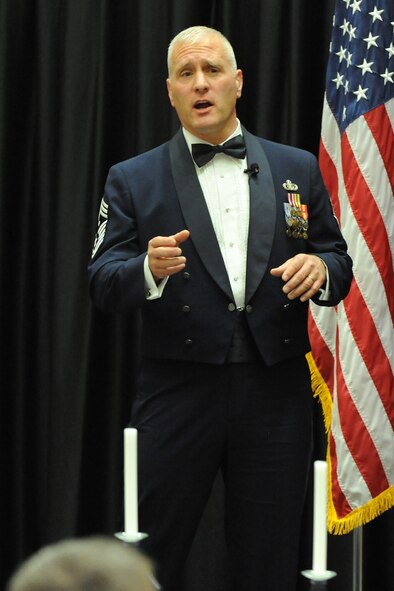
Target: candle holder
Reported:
[(130, 537), (319, 578)]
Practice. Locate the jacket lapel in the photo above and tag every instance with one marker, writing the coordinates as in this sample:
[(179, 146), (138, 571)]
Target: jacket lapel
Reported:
[(195, 212), (262, 215)]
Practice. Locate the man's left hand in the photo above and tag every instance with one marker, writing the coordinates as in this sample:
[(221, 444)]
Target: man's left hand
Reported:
[(303, 275)]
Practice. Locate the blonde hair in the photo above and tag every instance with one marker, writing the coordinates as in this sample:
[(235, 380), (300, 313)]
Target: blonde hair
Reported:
[(99, 563), (195, 34)]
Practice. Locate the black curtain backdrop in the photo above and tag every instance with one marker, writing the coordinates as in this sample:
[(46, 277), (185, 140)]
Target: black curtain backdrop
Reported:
[(82, 87)]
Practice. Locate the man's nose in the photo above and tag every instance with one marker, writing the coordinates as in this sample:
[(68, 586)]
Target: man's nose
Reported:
[(201, 82)]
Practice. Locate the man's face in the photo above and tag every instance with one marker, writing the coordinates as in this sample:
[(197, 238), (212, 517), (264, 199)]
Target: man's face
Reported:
[(203, 87)]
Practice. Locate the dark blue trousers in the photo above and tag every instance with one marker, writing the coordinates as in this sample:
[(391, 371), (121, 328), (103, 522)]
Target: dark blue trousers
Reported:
[(252, 422)]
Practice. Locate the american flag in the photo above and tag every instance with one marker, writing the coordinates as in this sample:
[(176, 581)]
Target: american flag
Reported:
[(353, 345)]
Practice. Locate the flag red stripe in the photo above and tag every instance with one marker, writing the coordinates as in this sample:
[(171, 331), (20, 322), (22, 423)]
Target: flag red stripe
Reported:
[(359, 441), (340, 502), (330, 177), (380, 125), (321, 354), (368, 218), (370, 347)]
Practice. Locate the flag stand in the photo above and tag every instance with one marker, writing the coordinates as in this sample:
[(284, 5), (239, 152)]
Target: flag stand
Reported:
[(358, 559)]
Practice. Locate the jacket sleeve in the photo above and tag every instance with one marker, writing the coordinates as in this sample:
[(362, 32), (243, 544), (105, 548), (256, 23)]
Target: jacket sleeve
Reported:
[(116, 269)]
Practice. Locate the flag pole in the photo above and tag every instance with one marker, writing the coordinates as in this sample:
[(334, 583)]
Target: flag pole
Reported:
[(358, 559)]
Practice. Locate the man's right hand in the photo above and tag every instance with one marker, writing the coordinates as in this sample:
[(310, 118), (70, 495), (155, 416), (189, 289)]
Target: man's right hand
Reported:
[(164, 255)]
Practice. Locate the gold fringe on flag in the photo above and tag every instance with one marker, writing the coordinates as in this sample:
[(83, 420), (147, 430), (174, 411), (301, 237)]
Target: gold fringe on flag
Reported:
[(320, 390), (366, 512), (361, 515)]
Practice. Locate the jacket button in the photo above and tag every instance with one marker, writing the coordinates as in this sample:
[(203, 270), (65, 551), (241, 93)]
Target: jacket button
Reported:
[(287, 341), (188, 342), (185, 309), (286, 306), (231, 307), (249, 309), (186, 275)]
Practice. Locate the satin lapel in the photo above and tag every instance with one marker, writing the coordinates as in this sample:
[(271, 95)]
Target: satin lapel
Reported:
[(262, 215), (195, 211)]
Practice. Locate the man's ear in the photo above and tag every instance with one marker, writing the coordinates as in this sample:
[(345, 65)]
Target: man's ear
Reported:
[(168, 82), (239, 82)]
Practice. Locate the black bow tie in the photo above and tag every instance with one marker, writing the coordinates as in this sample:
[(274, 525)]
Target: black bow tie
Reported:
[(203, 153)]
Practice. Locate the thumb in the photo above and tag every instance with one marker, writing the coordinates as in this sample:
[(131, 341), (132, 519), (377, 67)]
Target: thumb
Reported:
[(277, 271), (181, 236)]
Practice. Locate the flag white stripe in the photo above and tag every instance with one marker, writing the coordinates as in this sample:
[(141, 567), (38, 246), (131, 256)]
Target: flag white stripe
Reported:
[(326, 320), (332, 142), (365, 271), (347, 470), (389, 106), (370, 407), (370, 162)]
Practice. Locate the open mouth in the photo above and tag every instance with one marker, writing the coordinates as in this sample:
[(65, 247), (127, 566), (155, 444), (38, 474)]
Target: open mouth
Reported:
[(200, 105)]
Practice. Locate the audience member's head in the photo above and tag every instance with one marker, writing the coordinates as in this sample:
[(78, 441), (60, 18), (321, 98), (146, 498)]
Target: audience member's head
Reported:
[(86, 564)]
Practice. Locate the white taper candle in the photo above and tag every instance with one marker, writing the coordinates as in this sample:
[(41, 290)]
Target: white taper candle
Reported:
[(319, 556), (130, 481)]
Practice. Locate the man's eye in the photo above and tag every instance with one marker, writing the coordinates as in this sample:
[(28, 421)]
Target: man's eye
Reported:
[(185, 73)]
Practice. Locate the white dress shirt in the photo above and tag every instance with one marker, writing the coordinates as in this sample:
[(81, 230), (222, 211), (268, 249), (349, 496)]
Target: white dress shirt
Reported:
[(226, 191)]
